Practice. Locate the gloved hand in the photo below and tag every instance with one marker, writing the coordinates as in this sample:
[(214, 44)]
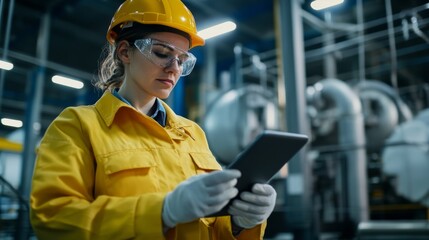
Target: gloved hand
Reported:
[(199, 196), (254, 207)]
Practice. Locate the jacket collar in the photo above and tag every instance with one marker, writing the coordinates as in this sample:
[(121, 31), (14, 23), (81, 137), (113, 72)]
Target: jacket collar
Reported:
[(108, 106)]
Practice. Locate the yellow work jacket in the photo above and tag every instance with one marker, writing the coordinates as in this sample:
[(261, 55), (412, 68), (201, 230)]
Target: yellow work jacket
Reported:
[(102, 172)]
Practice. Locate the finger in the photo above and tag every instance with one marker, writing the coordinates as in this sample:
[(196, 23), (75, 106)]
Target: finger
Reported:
[(219, 188), (239, 213), (255, 199), (263, 189), (218, 177), (249, 208), (223, 198)]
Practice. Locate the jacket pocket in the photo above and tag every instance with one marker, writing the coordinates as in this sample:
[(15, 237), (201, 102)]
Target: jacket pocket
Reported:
[(204, 162), (131, 172)]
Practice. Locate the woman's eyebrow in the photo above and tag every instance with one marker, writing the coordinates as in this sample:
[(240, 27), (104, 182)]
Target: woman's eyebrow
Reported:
[(166, 45)]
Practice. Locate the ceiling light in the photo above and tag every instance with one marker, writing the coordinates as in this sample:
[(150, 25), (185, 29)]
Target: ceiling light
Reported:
[(11, 122), (6, 65), (217, 30), (322, 4), (69, 82)]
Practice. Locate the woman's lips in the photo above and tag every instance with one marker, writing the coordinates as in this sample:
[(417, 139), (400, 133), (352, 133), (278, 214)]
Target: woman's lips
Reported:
[(167, 81)]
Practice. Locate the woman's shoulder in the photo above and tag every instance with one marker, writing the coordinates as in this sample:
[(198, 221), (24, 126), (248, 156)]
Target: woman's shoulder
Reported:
[(187, 122), (78, 111), (76, 115), (70, 122)]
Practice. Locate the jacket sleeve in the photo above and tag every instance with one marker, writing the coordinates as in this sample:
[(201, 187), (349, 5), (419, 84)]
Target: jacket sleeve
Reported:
[(62, 203), (222, 231)]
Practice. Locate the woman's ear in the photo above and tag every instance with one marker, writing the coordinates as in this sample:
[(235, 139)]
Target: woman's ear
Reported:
[(123, 51)]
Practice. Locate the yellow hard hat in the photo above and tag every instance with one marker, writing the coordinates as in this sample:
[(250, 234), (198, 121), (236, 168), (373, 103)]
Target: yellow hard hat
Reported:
[(170, 13)]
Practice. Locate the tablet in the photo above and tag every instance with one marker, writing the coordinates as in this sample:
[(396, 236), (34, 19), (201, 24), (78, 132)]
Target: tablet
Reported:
[(263, 158)]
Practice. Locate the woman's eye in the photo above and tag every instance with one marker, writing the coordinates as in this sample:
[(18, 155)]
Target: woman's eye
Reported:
[(161, 55)]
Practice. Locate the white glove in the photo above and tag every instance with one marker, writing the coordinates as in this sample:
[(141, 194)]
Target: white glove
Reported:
[(199, 196), (254, 207)]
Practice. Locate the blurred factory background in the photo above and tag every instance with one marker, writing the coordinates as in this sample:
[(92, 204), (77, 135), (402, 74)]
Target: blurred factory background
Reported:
[(353, 77)]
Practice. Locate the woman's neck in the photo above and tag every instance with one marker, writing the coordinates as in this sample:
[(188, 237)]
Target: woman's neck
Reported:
[(141, 102)]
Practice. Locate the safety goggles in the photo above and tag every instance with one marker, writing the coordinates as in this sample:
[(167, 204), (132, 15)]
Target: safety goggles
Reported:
[(164, 54)]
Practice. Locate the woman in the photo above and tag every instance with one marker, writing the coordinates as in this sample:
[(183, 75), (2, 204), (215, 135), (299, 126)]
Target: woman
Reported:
[(127, 167)]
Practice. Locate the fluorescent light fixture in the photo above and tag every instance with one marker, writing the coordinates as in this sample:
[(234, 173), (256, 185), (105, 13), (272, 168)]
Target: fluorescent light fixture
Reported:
[(6, 65), (322, 4), (217, 30), (11, 122), (69, 82)]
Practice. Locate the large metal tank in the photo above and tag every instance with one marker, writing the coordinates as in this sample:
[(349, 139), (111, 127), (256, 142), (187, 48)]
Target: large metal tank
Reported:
[(236, 117), (383, 111)]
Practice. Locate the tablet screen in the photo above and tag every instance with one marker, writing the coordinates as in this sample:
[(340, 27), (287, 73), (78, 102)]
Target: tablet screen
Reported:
[(263, 158)]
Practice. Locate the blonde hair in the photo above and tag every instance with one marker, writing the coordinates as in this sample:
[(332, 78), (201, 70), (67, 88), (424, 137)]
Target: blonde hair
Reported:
[(111, 71)]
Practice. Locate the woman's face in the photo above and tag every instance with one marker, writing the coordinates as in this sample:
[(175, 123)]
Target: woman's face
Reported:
[(144, 78)]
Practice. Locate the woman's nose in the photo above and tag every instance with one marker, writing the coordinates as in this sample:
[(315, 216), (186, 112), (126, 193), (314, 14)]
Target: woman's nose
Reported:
[(173, 66)]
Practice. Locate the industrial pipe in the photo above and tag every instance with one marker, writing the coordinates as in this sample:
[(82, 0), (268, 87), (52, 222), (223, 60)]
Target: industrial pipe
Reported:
[(351, 133)]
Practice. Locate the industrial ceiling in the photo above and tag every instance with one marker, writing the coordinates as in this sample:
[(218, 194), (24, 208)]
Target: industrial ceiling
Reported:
[(77, 29)]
